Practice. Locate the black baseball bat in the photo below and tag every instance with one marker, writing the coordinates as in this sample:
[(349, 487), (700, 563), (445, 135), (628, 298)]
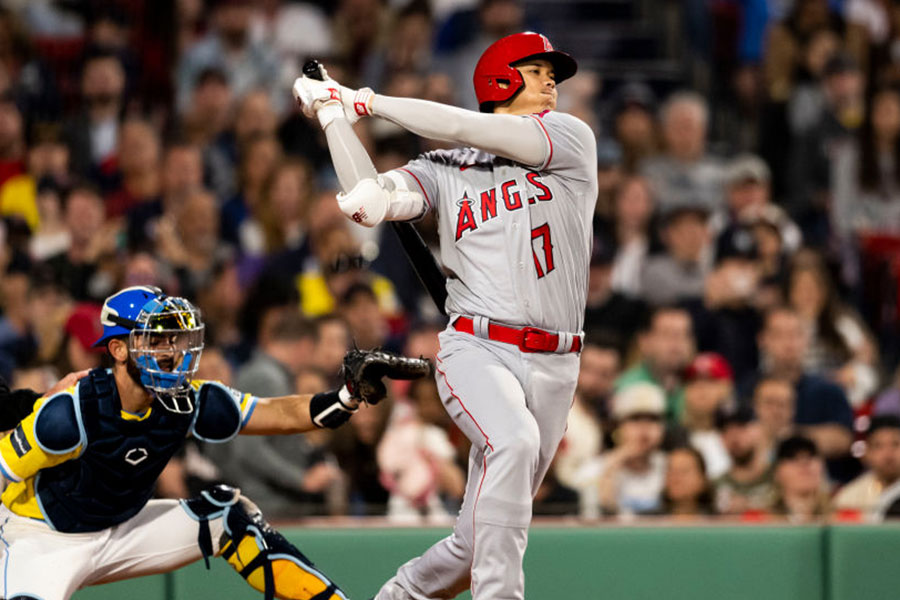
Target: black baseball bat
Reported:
[(420, 257)]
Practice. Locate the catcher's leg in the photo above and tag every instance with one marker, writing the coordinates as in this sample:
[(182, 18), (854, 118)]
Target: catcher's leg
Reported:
[(29, 550), (257, 552)]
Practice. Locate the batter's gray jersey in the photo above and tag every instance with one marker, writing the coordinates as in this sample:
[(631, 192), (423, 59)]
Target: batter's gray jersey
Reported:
[(515, 240)]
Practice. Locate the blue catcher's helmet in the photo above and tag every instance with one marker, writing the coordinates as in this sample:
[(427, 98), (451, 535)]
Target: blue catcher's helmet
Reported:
[(165, 339)]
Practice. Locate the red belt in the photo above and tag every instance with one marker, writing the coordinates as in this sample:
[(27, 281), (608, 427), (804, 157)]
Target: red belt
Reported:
[(528, 339)]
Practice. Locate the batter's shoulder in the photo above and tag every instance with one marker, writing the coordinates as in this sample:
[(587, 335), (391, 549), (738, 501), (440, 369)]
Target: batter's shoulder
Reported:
[(569, 122), (455, 157)]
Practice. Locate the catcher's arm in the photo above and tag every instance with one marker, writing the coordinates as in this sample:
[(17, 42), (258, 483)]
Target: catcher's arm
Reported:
[(363, 371), (301, 413)]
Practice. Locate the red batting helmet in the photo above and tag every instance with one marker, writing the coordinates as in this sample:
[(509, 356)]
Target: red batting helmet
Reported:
[(495, 65)]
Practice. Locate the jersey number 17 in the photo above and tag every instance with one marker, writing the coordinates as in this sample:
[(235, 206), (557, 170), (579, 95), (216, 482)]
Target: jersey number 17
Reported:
[(542, 233)]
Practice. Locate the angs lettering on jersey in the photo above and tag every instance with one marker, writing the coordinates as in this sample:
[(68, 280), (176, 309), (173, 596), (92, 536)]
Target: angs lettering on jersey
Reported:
[(486, 204)]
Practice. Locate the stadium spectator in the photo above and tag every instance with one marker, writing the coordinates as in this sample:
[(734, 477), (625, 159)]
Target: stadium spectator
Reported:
[(708, 391), (332, 342), (680, 273), (51, 236), (633, 235), (406, 47), (666, 346), (23, 74), (774, 404), (188, 239), (628, 478), (727, 319), (240, 221), (840, 347), (822, 412), (748, 486), (811, 165), (209, 112), (687, 491), (416, 458), (77, 268), (882, 458), (138, 158), (589, 421), (48, 167), (228, 46), (181, 174), (866, 177), (748, 199), (802, 493), (93, 133), (634, 123), (683, 174), (82, 328)]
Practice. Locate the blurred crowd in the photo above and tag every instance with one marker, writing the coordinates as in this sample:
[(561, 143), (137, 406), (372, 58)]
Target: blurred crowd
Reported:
[(742, 322)]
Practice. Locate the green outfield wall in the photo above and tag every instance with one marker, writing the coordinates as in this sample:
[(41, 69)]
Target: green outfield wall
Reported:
[(753, 562)]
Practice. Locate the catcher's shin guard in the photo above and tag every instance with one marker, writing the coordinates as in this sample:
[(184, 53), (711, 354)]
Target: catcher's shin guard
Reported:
[(257, 552)]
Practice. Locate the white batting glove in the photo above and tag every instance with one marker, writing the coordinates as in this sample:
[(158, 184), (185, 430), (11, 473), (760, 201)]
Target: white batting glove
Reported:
[(357, 103), (319, 98)]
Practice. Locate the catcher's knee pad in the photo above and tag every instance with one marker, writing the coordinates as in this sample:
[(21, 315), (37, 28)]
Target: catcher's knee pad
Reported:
[(261, 555), (255, 550)]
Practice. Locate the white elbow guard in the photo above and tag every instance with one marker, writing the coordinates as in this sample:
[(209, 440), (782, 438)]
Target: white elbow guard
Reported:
[(369, 202), (403, 204), (366, 203)]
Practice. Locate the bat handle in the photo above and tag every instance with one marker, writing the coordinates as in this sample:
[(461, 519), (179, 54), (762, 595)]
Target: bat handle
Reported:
[(313, 70)]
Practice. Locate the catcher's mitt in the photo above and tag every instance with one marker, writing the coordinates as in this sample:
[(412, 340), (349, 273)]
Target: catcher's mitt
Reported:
[(363, 369)]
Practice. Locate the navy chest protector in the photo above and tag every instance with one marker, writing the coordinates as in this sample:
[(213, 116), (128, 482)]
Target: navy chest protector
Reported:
[(115, 476)]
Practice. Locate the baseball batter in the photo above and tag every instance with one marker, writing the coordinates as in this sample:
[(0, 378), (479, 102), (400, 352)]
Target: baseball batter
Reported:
[(83, 464), (514, 212)]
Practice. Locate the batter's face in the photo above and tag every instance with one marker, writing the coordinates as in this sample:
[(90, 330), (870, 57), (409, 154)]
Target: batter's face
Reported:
[(538, 92)]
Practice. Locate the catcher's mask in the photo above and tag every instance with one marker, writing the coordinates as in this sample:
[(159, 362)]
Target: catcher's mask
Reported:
[(166, 343)]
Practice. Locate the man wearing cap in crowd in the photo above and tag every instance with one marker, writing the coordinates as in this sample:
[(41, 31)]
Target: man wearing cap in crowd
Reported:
[(679, 273), (708, 390), (82, 329), (865, 493), (748, 191), (748, 485), (629, 478)]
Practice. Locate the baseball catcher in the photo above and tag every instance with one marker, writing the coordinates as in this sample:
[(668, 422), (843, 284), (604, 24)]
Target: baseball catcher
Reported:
[(83, 463)]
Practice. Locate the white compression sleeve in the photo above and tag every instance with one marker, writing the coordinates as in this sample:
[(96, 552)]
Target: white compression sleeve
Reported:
[(351, 162), (510, 136), (368, 198)]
